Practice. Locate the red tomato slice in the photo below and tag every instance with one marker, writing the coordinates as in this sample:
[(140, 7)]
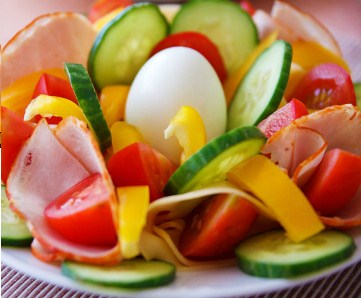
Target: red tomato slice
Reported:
[(54, 86), (101, 7), (140, 164), (198, 42), (326, 85), (282, 117), (216, 226), (335, 182), (83, 214), (15, 131), (247, 6)]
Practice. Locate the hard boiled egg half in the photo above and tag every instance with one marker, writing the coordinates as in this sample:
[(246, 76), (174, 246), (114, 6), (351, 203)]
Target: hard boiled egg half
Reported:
[(173, 78)]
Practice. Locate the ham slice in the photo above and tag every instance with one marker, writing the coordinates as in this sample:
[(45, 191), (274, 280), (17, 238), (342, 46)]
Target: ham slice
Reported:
[(47, 42), (43, 170), (339, 127), (347, 217), (294, 24), (299, 153)]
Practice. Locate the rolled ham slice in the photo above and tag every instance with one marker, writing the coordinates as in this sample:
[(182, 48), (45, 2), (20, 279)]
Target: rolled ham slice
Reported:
[(43, 170), (299, 153)]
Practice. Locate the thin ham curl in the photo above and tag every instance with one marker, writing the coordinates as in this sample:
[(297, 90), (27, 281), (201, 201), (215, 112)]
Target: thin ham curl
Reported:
[(299, 148), (43, 170)]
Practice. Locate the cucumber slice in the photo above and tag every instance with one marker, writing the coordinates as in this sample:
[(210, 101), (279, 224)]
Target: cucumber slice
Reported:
[(260, 92), (14, 231), (272, 254), (124, 44), (89, 102), (137, 273), (214, 160), (357, 86), (225, 23)]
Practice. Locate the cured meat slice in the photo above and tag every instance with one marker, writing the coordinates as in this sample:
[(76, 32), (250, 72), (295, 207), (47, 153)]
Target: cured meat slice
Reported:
[(43, 170), (339, 126), (47, 42), (347, 217)]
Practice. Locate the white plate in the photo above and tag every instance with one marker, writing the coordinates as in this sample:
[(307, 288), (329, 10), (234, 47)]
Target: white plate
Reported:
[(218, 283)]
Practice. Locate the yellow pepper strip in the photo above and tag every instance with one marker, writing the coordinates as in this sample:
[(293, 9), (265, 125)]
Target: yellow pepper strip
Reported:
[(133, 207), (47, 106), (18, 95), (233, 80), (271, 185), (100, 23), (297, 73), (112, 102), (124, 134), (309, 54), (187, 125)]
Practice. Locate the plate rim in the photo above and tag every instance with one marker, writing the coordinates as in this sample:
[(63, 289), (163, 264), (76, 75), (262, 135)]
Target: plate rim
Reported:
[(52, 275)]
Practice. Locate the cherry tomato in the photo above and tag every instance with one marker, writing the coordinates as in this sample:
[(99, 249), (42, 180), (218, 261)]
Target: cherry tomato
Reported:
[(216, 226), (102, 7), (282, 117), (326, 85), (15, 131), (83, 213), (198, 42), (140, 164), (247, 6), (54, 86), (335, 182)]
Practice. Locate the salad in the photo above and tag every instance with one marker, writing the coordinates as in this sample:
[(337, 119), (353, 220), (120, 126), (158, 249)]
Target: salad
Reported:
[(143, 139)]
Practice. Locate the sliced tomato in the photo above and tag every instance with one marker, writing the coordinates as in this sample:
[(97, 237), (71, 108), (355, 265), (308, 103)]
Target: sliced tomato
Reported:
[(326, 85), (335, 182), (216, 226), (15, 131), (83, 213), (101, 7), (198, 42), (140, 164), (282, 117), (54, 86), (248, 7)]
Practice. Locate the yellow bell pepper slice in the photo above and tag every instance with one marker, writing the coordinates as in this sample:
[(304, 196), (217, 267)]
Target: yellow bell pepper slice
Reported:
[(308, 54), (133, 207), (112, 102), (231, 83), (278, 192), (124, 134), (188, 127), (18, 95), (100, 23), (47, 106)]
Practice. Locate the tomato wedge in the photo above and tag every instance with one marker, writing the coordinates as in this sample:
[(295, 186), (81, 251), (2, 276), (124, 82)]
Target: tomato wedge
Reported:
[(282, 117), (101, 7), (83, 213), (335, 182), (248, 7), (140, 164), (15, 131), (198, 42), (216, 226), (326, 85)]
